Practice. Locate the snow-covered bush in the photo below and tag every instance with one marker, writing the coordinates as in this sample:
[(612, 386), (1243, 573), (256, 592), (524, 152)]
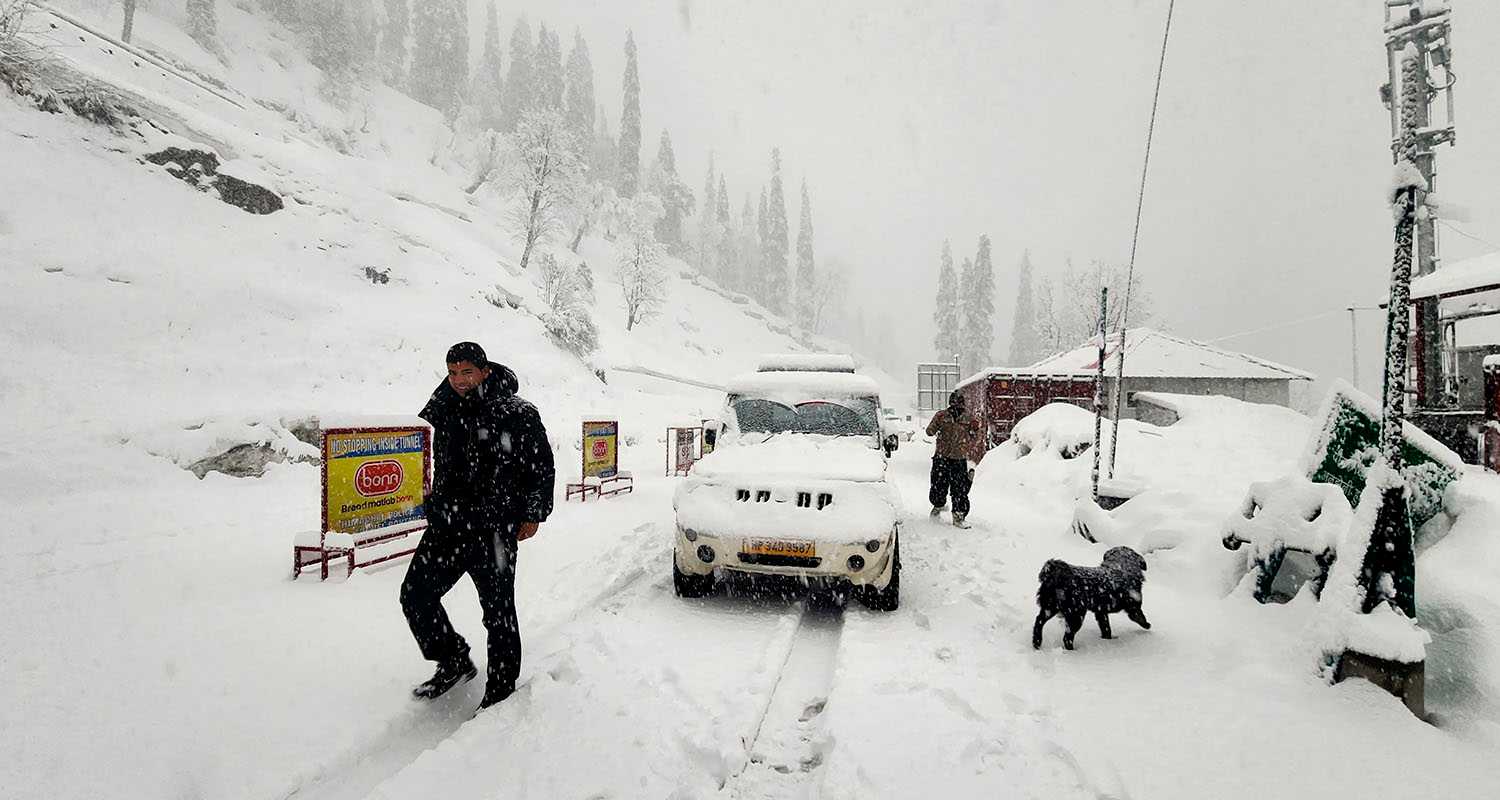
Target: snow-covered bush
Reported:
[(565, 295), (16, 55)]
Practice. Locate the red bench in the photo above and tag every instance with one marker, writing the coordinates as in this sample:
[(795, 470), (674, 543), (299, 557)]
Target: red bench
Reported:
[(321, 547)]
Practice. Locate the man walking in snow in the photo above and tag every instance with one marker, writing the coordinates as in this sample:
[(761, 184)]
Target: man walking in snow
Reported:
[(491, 488), (957, 433)]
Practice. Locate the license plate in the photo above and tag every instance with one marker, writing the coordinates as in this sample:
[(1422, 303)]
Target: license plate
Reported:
[(780, 547)]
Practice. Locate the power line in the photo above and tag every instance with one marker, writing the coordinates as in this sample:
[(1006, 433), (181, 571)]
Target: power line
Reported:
[(1280, 326), (1461, 232)]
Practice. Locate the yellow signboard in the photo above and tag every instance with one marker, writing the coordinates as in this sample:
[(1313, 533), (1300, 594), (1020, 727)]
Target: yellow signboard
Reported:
[(601, 449), (374, 477)]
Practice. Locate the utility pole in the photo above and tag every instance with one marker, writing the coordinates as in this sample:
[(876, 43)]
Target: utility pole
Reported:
[(1353, 350), (1426, 26), (1387, 573), (1099, 385)]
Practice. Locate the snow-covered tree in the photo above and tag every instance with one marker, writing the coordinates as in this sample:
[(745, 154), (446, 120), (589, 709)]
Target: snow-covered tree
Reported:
[(741, 276), (549, 170), (440, 53), (549, 70), (1025, 337), (807, 280), (579, 99), (776, 243), (394, 50), (630, 125), (977, 299), (643, 280), (340, 37), (203, 23), (489, 75), (565, 295), (676, 198), (945, 314), (518, 94), (596, 204)]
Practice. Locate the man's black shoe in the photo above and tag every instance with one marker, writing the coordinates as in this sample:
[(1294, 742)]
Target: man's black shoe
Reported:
[(494, 695), (447, 676)]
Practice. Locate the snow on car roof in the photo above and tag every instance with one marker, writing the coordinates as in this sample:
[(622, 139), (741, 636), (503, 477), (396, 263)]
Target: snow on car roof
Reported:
[(804, 385), (807, 362)]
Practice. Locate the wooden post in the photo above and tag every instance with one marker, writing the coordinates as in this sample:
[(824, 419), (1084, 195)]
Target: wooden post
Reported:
[(1099, 385)]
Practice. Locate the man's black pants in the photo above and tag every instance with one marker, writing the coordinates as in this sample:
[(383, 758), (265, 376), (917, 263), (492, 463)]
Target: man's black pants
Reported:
[(487, 553), (950, 474)]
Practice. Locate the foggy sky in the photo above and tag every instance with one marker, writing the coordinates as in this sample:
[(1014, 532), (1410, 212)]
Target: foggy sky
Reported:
[(917, 122)]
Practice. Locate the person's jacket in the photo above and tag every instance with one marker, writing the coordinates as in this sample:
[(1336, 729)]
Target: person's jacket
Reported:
[(957, 436), (492, 463)]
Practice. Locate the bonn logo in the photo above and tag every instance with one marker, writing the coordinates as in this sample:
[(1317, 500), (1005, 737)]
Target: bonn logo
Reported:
[(601, 449), (378, 477)]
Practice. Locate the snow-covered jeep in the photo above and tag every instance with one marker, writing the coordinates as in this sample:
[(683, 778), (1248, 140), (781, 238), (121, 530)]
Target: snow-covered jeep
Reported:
[(796, 486)]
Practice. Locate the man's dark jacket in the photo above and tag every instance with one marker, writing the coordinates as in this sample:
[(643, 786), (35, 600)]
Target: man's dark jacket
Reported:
[(492, 463)]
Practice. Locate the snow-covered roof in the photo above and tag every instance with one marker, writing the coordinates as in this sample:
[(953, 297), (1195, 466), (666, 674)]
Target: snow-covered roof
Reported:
[(1468, 275), (799, 386), (1149, 353), (806, 362)]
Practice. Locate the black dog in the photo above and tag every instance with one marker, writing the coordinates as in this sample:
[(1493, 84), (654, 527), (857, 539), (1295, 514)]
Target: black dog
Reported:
[(1072, 592)]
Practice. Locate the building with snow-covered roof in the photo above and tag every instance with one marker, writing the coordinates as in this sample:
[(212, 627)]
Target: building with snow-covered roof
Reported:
[(1154, 362)]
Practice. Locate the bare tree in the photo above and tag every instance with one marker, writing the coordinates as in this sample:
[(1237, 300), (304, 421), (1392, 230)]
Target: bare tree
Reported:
[(643, 280), (830, 283), (565, 292), (1067, 305), (549, 168)]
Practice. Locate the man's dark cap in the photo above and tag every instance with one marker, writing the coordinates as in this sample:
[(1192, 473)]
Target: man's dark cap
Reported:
[(468, 351), (955, 398)]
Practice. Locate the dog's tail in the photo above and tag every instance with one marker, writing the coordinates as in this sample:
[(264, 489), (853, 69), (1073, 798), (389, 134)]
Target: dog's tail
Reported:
[(1053, 574)]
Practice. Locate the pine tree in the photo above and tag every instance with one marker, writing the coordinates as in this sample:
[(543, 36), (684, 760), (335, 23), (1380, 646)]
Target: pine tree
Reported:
[(777, 242), (630, 125), (748, 249), (203, 24), (518, 94), (676, 198), (489, 76), (604, 160), (806, 272), (708, 224), (727, 248), (440, 53), (1025, 337), (756, 280), (579, 99), (977, 297), (945, 314), (549, 70), (393, 47)]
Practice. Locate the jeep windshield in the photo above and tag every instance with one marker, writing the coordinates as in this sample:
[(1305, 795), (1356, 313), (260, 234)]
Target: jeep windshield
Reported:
[(842, 417)]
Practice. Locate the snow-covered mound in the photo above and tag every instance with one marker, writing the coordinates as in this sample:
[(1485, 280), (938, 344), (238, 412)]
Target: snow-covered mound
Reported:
[(1063, 429)]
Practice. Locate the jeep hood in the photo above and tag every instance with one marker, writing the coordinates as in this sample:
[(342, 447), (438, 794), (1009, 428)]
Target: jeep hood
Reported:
[(794, 456)]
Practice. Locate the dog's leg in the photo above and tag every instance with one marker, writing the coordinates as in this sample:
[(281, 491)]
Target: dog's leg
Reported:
[(1103, 619), (1138, 616), (1042, 616), (1075, 623)]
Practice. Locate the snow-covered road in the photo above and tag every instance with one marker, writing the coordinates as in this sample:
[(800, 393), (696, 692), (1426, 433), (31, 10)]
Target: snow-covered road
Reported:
[(190, 666)]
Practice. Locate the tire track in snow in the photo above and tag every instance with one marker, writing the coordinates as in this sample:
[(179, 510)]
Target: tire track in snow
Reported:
[(785, 749), (360, 768)]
